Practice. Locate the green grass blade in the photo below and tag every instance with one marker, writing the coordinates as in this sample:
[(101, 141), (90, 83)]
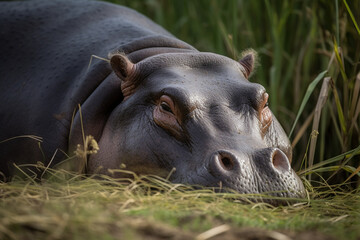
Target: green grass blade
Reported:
[(348, 155), (347, 168), (337, 20), (309, 90), (338, 58), (354, 172), (351, 16), (335, 125), (339, 108)]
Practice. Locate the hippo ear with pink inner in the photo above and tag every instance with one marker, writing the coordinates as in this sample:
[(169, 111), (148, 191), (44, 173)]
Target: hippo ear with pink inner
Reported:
[(248, 62), (122, 66), (125, 70)]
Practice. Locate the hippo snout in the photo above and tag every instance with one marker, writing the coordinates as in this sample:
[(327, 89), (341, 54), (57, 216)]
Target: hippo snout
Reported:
[(264, 171), (225, 162)]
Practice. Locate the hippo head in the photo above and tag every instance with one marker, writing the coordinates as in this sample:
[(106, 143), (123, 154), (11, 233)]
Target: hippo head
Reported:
[(197, 113)]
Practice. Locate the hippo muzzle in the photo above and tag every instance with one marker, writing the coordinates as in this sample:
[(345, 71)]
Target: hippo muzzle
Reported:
[(266, 171)]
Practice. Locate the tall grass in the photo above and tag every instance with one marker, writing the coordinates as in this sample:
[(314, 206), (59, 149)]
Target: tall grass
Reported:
[(296, 41)]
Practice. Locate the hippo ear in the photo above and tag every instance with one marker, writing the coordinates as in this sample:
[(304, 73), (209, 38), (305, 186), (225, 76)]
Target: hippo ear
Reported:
[(248, 62), (122, 66)]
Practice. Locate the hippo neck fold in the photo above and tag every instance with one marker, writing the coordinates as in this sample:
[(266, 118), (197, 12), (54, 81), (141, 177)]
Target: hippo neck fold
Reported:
[(148, 46)]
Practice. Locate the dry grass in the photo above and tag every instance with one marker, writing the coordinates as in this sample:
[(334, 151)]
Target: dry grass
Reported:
[(64, 206)]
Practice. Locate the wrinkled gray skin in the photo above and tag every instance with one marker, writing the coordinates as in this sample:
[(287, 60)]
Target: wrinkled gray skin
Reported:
[(183, 109)]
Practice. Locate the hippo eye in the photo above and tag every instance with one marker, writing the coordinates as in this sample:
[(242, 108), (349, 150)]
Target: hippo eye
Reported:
[(167, 104), (164, 106), (165, 116)]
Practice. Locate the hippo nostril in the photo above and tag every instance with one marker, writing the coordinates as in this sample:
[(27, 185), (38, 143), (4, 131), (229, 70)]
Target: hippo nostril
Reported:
[(280, 161), (227, 163), (223, 164)]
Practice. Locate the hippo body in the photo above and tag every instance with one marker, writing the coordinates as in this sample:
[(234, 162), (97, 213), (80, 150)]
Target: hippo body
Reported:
[(157, 104)]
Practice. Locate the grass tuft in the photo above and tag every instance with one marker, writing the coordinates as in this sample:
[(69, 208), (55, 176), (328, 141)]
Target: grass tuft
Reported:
[(63, 205)]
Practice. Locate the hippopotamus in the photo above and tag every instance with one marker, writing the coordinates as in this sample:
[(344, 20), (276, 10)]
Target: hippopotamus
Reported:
[(152, 103)]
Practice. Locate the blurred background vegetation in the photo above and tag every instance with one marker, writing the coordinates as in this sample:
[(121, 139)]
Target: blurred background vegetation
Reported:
[(296, 41)]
